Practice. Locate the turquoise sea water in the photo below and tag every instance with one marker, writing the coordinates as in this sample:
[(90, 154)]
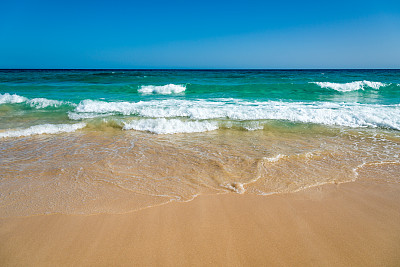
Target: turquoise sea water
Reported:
[(186, 101), (110, 141)]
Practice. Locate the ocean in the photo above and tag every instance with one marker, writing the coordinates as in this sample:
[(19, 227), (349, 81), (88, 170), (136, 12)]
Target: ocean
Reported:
[(113, 141)]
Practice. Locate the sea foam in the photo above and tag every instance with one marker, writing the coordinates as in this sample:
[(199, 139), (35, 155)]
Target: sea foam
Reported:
[(164, 126), (11, 99), (162, 90), (44, 102), (43, 129), (35, 102), (352, 86), (328, 113)]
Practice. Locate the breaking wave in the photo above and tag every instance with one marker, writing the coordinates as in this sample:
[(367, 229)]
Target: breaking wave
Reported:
[(327, 113), (34, 103), (162, 90), (11, 99), (352, 86), (43, 129), (44, 103)]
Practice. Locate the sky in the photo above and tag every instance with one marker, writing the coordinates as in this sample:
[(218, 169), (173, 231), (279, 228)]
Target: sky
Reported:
[(200, 34)]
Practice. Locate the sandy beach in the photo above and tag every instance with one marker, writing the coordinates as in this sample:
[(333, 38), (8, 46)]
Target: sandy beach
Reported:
[(199, 133), (351, 224)]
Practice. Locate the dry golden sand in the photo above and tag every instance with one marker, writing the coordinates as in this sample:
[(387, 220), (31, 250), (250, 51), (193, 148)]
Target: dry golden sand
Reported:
[(353, 224)]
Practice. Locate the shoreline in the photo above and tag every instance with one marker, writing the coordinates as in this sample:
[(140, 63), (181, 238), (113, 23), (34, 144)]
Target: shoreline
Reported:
[(228, 191), (356, 223)]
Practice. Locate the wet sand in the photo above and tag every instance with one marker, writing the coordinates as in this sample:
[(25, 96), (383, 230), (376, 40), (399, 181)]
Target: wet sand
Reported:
[(352, 224)]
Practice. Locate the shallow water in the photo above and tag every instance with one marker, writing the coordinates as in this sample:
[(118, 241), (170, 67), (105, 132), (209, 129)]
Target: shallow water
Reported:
[(84, 142), (111, 171)]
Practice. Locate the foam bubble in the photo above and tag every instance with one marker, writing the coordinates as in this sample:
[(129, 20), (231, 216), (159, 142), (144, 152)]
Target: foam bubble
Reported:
[(235, 187), (274, 159), (352, 86), (43, 129), (162, 90), (164, 126), (253, 126), (11, 99)]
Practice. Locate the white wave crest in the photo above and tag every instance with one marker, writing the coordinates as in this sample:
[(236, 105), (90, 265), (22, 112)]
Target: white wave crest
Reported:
[(162, 90), (35, 102), (94, 106), (44, 102), (43, 129), (11, 99), (341, 114), (171, 126), (352, 86)]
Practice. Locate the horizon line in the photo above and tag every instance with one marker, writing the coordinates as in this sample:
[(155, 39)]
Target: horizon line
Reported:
[(192, 69)]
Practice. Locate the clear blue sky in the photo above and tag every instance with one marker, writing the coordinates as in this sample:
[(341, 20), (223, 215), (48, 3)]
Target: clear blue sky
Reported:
[(199, 34)]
